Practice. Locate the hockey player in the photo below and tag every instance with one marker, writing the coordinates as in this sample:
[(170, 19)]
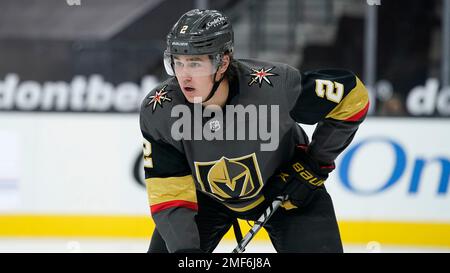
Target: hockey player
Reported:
[(197, 187)]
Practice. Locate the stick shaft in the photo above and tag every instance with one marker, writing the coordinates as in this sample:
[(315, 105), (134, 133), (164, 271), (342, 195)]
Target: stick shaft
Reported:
[(259, 224)]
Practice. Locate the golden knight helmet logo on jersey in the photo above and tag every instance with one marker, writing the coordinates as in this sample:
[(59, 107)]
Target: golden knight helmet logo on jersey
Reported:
[(230, 178)]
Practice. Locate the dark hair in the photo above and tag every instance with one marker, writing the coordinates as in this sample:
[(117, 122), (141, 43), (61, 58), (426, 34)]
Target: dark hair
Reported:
[(231, 72)]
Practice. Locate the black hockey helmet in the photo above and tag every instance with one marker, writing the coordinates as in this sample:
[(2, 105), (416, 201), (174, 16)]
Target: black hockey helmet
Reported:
[(199, 32)]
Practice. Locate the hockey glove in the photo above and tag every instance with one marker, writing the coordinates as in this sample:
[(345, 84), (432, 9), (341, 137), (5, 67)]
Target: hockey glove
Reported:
[(299, 178)]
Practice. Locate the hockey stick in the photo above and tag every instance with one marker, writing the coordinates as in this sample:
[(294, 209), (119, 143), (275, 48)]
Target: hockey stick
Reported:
[(259, 223)]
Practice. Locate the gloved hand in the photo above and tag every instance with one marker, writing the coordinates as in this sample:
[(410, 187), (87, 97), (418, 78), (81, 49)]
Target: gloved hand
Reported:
[(299, 178)]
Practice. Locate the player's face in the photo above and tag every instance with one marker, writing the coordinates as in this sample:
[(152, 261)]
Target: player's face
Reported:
[(195, 75)]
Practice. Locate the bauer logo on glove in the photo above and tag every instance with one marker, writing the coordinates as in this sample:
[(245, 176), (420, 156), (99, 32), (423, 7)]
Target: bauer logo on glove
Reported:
[(309, 177)]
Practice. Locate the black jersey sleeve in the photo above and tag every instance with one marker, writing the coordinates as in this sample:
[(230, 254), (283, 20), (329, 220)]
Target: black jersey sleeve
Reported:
[(335, 99), (170, 186)]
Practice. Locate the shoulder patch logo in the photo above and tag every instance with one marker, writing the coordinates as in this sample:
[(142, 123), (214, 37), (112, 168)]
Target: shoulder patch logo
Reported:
[(158, 99), (260, 75)]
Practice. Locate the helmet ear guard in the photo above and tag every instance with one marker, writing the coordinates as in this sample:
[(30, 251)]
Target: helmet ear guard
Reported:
[(168, 64)]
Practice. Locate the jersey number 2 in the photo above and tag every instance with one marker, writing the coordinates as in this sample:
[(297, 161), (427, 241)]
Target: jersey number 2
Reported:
[(333, 91), (147, 149), (183, 29)]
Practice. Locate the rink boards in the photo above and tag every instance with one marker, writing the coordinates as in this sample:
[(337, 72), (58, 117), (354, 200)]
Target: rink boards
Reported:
[(81, 175)]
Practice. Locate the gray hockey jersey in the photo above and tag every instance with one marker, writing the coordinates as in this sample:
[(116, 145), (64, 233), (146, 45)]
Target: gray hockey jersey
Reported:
[(230, 154)]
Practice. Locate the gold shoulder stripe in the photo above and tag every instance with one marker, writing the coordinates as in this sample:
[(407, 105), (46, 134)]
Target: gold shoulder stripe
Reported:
[(161, 190), (354, 102)]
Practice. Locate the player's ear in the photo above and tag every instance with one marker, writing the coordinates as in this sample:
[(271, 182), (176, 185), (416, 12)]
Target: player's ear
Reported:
[(225, 63)]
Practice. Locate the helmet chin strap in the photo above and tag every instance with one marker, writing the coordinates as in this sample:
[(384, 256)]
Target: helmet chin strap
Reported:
[(214, 88)]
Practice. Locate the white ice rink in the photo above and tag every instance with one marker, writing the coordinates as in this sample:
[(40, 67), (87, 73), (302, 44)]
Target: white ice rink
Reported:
[(71, 245)]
